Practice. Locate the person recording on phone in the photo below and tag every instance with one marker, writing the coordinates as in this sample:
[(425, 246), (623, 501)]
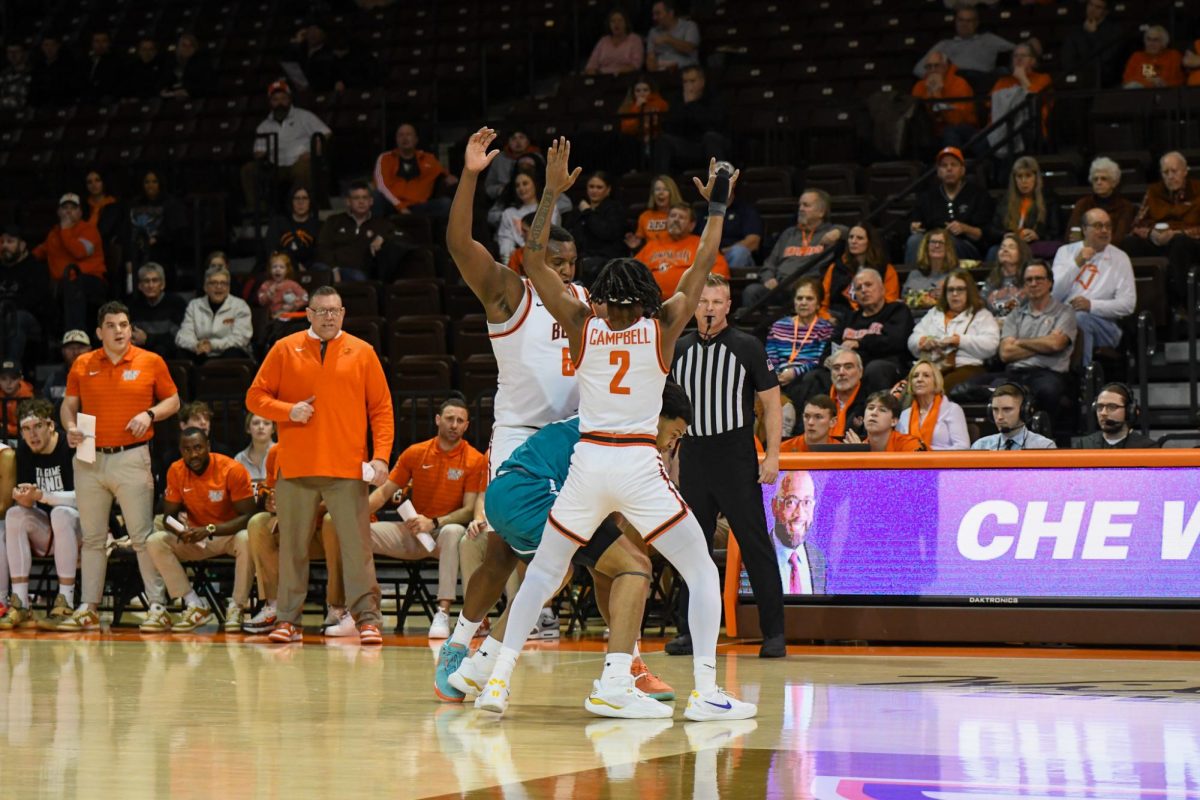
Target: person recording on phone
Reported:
[(723, 370), (1116, 412), (1011, 412)]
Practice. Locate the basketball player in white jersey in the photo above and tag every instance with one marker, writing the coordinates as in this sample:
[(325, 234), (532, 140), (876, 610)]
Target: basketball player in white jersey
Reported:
[(536, 381), (621, 364)]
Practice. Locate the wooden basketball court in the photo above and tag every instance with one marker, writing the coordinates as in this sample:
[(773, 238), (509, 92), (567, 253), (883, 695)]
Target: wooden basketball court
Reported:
[(126, 716)]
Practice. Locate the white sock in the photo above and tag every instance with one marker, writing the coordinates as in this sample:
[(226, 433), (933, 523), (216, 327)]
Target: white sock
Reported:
[(192, 599), (490, 649), (68, 593), (637, 651), (616, 667), (505, 664), (464, 631), (21, 590), (705, 672)]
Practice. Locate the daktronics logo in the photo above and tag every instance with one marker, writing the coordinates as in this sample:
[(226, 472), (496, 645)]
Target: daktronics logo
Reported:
[(995, 601), (989, 530)]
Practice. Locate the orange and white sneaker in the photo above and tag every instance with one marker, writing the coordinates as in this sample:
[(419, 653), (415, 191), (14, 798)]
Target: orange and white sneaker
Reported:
[(369, 634), (285, 632), (648, 682)]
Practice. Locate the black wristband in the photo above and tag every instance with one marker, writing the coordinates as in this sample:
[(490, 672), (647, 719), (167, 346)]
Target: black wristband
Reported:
[(150, 413), (436, 524)]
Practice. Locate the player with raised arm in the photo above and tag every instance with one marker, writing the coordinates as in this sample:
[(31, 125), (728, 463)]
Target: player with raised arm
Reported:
[(536, 381), (621, 365)]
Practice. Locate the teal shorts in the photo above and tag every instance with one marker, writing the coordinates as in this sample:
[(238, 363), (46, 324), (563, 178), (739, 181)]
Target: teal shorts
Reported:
[(517, 505)]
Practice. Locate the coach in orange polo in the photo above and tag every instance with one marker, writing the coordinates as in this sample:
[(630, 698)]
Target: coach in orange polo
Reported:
[(126, 389), (323, 387)]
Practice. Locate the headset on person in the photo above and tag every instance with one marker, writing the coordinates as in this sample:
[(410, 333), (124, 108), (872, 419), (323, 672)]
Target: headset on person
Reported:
[(1133, 411), (1026, 412)]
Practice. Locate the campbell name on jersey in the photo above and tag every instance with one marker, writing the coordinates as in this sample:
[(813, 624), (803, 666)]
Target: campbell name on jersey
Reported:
[(621, 376)]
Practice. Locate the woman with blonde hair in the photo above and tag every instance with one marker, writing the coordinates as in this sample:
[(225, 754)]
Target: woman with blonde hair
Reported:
[(932, 417), (1023, 210), (652, 223), (936, 258), (959, 334)]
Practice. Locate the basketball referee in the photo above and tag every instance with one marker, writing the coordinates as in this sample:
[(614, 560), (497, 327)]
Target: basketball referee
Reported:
[(722, 369)]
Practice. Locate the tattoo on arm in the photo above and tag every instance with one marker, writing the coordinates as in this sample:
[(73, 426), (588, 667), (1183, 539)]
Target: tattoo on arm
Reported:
[(535, 242)]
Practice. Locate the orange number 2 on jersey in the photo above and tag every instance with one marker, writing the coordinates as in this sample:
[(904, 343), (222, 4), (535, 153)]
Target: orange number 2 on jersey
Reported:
[(620, 360), (568, 366)]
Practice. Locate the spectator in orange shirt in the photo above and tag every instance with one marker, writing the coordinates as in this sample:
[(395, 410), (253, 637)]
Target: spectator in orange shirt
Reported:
[(409, 178), (13, 389), (1012, 90), (820, 411), (953, 123), (1191, 62), (1157, 66), (652, 223), (882, 414), (444, 477), (669, 258), (75, 242), (215, 492)]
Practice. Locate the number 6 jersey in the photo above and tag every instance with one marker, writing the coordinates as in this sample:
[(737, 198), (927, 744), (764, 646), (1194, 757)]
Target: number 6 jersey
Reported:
[(536, 384)]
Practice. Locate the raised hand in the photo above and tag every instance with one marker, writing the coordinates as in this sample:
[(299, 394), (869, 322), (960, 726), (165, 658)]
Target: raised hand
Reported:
[(477, 157), (705, 189), (559, 176)]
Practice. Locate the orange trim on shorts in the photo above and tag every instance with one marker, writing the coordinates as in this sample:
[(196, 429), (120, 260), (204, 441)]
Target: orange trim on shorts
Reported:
[(658, 350), (521, 321), (666, 526), (574, 537), (618, 439)]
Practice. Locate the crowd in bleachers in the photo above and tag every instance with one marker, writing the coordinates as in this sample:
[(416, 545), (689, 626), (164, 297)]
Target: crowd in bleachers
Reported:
[(1011, 264)]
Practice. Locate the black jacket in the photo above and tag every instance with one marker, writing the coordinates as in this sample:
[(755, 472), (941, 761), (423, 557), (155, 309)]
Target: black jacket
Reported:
[(692, 120), (972, 205), (884, 335), (26, 285), (600, 230), (1095, 441)]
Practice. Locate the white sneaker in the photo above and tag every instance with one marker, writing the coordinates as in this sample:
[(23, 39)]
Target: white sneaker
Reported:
[(620, 698), (234, 616), (546, 627), (472, 674), (333, 615), (708, 735), (343, 627), (262, 622), (440, 627), (717, 705), (494, 696)]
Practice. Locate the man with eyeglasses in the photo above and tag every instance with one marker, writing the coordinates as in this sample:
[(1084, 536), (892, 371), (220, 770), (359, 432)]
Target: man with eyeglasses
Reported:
[(323, 388), (43, 519), (1168, 222), (1036, 341), (216, 325), (1116, 413), (156, 315), (801, 563), (1095, 277)]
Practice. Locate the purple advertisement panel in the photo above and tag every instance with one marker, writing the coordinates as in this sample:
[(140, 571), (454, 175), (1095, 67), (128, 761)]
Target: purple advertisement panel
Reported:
[(992, 534)]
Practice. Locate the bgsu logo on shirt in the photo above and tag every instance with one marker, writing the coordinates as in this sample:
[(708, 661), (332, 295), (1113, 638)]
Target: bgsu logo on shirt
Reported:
[(454, 473), (131, 374), (216, 495)]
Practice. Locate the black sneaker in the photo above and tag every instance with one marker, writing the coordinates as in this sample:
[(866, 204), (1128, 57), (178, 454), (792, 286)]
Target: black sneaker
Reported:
[(681, 645), (773, 647)]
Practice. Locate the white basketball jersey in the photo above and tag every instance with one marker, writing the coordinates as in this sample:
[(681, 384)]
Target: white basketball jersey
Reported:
[(536, 384), (621, 377)]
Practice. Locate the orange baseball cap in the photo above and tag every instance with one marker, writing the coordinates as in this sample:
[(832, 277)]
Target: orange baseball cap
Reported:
[(950, 151), (279, 86)]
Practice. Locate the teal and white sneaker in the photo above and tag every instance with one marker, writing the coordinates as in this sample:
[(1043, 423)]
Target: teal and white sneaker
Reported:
[(717, 705), (472, 674), (450, 656)]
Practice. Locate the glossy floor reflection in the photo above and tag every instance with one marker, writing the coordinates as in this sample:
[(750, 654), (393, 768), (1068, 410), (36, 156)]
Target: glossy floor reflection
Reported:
[(173, 718)]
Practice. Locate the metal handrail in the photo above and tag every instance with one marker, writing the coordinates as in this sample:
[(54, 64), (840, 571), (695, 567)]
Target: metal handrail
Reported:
[(1147, 345)]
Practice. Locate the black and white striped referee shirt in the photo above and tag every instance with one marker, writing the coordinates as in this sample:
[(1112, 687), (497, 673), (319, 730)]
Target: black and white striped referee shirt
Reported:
[(721, 377)]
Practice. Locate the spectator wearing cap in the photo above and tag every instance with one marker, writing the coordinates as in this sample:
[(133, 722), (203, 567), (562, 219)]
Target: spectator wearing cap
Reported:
[(74, 245), (292, 130), (155, 314), (24, 294), (954, 203), (74, 344), (13, 389), (216, 325), (409, 178)]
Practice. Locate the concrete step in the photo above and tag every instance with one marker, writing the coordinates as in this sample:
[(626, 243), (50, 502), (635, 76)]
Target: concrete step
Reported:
[(1173, 353), (1169, 394)]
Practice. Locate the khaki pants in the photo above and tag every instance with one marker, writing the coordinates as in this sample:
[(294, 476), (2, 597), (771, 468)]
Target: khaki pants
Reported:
[(168, 552), (263, 531), (125, 477), (392, 540), (296, 500)]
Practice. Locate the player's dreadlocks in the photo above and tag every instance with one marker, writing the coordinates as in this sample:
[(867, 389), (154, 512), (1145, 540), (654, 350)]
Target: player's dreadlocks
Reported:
[(625, 281)]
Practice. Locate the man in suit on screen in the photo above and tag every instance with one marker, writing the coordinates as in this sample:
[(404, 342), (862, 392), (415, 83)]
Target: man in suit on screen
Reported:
[(801, 563)]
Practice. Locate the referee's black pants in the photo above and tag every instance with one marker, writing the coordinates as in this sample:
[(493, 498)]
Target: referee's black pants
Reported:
[(719, 474)]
